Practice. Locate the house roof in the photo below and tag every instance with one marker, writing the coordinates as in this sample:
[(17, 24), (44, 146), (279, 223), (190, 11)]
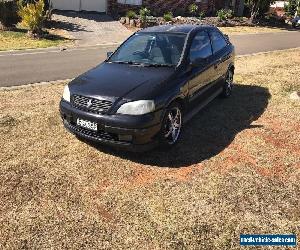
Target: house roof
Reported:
[(174, 28)]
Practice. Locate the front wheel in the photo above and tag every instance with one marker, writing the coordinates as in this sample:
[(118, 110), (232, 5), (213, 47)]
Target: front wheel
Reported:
[(228, 84), (171, 126)]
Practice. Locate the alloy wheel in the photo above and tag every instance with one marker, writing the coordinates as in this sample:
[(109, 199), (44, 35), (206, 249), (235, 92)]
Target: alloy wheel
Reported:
[(229, 83), (172, 126)]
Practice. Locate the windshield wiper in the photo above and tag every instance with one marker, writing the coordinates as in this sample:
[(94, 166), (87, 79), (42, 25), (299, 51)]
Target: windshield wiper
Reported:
[(126, 62), (159, 65), (143, 64)]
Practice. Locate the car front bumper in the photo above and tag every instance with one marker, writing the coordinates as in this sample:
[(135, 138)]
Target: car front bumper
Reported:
[(132, 133)]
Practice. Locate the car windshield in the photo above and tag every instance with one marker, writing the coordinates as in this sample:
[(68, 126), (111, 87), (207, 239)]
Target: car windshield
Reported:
[(151, 49)]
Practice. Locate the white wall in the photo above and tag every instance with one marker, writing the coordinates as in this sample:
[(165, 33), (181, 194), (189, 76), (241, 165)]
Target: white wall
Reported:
[(78, 5), (66, 4), (93, 5)]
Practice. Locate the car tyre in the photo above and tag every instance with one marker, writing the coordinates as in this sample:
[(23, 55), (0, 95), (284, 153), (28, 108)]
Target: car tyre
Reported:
[(171, 126), (228, 84)]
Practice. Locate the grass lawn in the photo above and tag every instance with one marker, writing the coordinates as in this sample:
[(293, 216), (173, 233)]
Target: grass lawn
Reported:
[(250, 30), (17, 40), (236, 170)]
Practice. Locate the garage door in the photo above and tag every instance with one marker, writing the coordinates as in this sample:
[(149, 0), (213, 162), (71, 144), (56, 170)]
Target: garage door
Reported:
[(78, 5), (93, 5), (66, 4)]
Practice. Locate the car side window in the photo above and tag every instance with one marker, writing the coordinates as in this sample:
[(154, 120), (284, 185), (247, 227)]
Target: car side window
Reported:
[(201, 46), (218, 41)]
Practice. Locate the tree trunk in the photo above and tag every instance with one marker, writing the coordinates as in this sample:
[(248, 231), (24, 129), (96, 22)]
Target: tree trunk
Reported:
[(254, 12)]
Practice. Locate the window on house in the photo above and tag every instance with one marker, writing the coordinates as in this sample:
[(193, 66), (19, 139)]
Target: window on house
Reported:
[(131, 2), (218, 41), (201, 47)]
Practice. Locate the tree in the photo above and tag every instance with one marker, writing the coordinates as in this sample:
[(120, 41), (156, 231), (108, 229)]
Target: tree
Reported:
[(291, 8), (258, 7), (8, 13)]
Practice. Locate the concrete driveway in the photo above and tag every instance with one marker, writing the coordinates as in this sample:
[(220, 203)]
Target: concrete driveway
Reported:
[(90, 28), (19, 68)]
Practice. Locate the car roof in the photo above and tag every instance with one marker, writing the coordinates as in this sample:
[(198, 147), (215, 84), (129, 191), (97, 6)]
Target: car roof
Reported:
[(185, 28)]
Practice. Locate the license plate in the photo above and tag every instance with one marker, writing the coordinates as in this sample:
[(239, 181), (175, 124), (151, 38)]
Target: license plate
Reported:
[(87, 124)]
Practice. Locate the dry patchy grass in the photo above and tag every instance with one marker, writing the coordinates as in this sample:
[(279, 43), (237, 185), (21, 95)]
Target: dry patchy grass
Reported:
[(18, 40), (235, 171)]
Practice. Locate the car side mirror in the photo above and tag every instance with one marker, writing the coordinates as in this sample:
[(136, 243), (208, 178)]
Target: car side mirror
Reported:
[(109, 54)]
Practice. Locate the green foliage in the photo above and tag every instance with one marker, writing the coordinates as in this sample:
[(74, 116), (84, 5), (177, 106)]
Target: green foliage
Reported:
[(291, 7), (131, 14), (201, 15), (32, 15), (258, 7), (193, 9), (144, 13), (224, 14), (168, 16), (8, 13)]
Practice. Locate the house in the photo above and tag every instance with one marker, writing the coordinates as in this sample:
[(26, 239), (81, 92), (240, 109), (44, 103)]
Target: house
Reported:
[(158, 7), (278, 8)]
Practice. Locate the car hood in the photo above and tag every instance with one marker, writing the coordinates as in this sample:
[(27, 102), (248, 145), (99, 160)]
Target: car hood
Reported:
[(115, 81)]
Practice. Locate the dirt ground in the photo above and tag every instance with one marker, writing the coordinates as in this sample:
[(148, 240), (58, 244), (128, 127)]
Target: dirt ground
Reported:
[(236, 170)]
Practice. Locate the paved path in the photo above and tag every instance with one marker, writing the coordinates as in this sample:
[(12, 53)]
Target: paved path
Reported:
[(90, 28), (18, 68)]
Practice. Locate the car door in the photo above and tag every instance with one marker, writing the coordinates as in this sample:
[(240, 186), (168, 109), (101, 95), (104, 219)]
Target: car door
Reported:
[(221, 56), (202, 75)]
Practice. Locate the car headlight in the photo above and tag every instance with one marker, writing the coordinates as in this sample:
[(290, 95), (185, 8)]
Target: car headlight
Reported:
[(137, 108), (66, 94)]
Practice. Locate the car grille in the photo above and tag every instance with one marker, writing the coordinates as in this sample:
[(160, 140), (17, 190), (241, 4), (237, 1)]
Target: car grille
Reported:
[(99, 135), (90, 104)]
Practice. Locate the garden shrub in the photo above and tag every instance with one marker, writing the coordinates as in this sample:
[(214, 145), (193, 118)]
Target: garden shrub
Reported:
[(131, 14), (32, 15), (144, 13), (168, 16), (224, 14), (193, 9), (201, 15)]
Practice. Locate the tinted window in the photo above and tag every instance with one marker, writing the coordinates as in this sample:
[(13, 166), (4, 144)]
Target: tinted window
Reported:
[(201, 47), (218, 41)]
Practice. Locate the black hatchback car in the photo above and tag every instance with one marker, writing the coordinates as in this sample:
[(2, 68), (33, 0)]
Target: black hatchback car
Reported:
[(145, 91)]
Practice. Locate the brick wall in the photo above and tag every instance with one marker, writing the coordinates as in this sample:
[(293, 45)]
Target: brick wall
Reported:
[(159, 7)]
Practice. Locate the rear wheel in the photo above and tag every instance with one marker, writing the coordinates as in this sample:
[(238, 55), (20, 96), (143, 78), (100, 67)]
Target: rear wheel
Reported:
[(172, 125), (228, 84)]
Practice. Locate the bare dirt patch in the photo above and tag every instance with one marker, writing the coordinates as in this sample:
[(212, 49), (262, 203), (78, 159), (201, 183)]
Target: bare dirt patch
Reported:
[(235, 171)]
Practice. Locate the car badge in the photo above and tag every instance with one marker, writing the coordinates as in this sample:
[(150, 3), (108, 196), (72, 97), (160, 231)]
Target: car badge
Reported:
[(89, 104)]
